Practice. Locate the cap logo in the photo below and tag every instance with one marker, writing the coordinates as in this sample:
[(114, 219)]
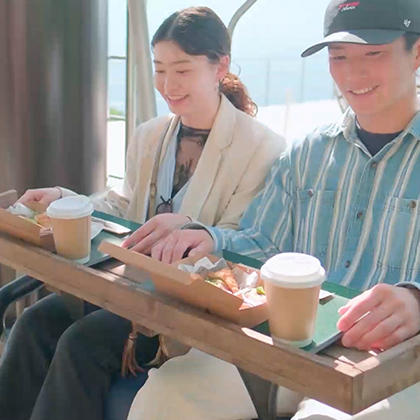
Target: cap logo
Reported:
[(407, 23), (349, 6)]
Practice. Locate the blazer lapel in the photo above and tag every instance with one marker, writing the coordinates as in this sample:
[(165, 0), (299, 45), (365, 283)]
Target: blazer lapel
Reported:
[(148, 161), (168, 136), (205, 174)]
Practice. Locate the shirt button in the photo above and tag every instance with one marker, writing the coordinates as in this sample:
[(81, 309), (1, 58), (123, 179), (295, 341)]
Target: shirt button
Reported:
[(413, 204), (374, 165), (347, 264), (310, 193), (360, 215)]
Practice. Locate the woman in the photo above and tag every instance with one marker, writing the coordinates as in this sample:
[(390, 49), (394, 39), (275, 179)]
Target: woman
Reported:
[(205, 162)]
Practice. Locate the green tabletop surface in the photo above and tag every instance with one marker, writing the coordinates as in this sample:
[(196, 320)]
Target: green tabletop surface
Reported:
[(326, 331), (96, 256)]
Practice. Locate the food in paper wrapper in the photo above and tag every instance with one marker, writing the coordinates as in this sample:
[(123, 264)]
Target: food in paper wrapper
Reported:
[(234, 279), (19, 209), (256, 294), (41, 219), (204, 266), (219, 283), (227, 276)]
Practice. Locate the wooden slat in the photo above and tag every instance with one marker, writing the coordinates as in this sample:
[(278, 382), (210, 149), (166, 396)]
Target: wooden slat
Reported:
[(134, 274), (317, 377), (188, 288), (123, 270), (142, 261), (7, 274), (21, 228), (8, 198), (346, 355), (388, 373)]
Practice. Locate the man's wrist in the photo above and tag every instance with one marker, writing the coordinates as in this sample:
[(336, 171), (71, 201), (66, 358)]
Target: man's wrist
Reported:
[(217, 237), (415, 292), (199, 226), (413, 287)]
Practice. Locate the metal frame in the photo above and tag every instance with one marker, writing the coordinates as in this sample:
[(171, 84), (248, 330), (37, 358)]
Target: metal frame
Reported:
[(238, 14)]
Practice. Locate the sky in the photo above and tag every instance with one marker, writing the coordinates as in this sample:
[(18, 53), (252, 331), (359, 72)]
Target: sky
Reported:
[(270, 27)]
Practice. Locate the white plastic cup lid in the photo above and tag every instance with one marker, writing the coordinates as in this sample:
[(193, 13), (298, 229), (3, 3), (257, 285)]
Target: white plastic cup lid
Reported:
[(293, 270), (74, 207)]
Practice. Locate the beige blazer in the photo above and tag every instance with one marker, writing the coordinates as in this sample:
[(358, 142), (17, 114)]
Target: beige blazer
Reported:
[(233, 165)]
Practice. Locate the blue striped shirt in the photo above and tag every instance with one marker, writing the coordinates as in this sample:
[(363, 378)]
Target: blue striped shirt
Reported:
[(328, 197)]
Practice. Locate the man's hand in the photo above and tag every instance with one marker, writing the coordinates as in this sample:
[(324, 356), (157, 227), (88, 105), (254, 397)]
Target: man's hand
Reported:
[(153, 231), (381, 317), (173, 247)]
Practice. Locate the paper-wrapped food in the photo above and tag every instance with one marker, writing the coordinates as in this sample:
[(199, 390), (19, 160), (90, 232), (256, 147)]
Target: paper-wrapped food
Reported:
[(234, 279), (38, 217)]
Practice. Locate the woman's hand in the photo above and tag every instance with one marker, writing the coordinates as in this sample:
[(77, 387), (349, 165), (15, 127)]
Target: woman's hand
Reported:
[(173, 247), (153, 231), (381, 317), (41, 195)]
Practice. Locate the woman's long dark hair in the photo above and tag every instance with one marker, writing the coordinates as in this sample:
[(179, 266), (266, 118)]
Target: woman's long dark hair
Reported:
[(199, 31)]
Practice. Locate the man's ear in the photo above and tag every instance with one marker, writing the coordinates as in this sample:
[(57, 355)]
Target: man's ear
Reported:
[(223, 67), (416, 52)]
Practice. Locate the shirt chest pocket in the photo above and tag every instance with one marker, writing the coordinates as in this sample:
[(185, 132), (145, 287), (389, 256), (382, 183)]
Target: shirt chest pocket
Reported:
[(398, 235), (314, 215)]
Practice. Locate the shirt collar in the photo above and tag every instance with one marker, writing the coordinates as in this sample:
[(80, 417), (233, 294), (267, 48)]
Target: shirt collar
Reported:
[(347, 126)]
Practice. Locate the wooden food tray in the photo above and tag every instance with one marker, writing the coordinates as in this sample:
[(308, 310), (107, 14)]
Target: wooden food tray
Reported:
[(21, 228), (191, 288)]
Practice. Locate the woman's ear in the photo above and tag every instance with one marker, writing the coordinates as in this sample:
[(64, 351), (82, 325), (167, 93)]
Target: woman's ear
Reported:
[(223, 67)]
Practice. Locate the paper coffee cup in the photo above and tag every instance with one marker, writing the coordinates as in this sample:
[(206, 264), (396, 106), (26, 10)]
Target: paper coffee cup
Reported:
[(292, 285), (71, 225)]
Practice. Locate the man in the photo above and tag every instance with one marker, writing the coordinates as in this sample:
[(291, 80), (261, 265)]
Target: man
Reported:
[(348, 194)]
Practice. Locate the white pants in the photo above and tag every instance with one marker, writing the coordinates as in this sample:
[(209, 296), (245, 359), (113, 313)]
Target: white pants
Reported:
[(201, 387)]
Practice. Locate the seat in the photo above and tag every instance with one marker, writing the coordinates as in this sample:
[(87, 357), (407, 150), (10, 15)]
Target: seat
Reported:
[(123, 391), (14, 291), (121, 395)]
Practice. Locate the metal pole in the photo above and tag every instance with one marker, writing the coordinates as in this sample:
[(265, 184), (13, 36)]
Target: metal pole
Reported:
[(239, 13)]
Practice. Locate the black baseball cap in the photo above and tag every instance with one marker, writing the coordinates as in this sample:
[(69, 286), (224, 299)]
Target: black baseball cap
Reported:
[(375, 22)]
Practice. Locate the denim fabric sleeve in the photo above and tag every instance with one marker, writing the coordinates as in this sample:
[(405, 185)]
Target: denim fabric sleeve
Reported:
[(266, 227), (410, 285)]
